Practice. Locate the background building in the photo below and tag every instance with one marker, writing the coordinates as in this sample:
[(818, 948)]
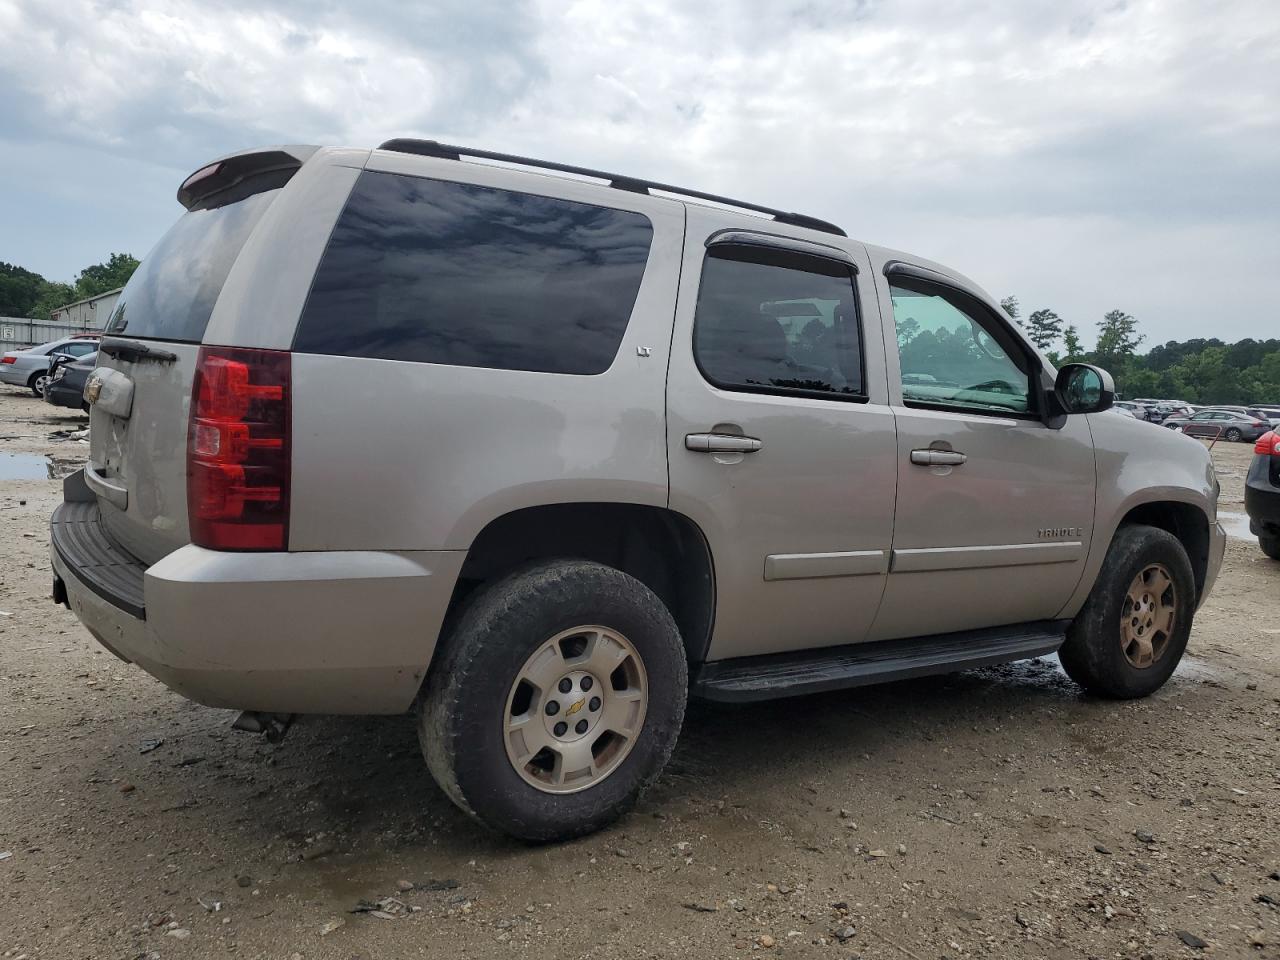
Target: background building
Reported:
[(82, 316)]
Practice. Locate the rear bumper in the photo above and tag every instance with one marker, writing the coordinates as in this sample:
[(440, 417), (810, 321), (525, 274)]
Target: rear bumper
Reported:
[(61, 395), (1262, 497), (323, 632)]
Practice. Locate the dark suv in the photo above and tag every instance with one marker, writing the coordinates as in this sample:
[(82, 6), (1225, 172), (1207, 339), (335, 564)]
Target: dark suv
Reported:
[(1262, 494)]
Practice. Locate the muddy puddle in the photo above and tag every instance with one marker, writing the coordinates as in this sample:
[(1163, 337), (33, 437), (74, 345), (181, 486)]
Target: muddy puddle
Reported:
[(36, 466), (1236, 524)]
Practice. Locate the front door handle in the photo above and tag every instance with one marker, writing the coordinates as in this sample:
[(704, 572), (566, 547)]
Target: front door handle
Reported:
[(937, 458), (720, 443)]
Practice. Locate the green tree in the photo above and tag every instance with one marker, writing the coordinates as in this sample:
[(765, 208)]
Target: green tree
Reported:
[(1071, 347), (101, 277), (19, 290), (1044, 327), (52, 295), (1141, 383), (1118, 340), (1011, 306)]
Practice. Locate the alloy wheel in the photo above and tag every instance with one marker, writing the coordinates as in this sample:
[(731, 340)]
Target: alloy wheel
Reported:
[(575, 709), (1148, 615)]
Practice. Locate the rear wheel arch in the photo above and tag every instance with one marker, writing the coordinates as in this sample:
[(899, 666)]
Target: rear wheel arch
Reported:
[(1185, 521), (663, 549)]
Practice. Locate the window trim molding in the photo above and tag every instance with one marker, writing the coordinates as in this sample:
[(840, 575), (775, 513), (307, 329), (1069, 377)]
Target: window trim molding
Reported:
[(899, 268), (805, 250), (758, 238)]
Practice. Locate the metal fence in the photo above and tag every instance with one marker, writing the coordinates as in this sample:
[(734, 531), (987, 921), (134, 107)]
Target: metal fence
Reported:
[(18, 333)]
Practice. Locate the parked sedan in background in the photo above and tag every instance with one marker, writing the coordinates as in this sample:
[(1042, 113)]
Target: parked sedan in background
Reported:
[(66, 383), (1164, 411), (1262, 494), (30, 368), (1258, 413), (1136, 410), (1226, 424)]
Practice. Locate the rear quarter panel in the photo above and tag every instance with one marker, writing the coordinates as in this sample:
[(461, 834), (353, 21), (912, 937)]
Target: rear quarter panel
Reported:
[(395, 455)]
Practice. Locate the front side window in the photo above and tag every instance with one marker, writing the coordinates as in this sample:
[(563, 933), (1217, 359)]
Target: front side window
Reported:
[(953, 356), (455, 273), (778, 322)]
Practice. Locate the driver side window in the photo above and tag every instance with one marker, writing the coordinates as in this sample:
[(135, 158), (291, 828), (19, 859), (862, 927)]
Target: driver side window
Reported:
[(954, 356)]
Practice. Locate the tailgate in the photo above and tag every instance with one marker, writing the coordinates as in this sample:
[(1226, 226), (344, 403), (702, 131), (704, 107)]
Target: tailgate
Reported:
[(140, 393), (138, 441)]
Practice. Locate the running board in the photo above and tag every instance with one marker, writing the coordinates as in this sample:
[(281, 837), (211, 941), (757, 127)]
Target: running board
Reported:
[(834, 668)]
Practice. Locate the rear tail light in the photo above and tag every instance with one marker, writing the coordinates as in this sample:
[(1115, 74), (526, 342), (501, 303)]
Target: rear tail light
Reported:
[(238, 457), (1268, 444), (8, 359)]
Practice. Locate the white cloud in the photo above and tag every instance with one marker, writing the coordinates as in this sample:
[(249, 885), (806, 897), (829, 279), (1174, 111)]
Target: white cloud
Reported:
[(1036, 145)]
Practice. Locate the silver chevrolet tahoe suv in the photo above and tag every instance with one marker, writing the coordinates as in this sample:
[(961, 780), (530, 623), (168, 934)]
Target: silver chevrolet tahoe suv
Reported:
[(539, 452)]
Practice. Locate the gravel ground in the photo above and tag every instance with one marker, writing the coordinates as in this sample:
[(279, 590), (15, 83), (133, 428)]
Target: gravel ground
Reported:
[(994, 813)]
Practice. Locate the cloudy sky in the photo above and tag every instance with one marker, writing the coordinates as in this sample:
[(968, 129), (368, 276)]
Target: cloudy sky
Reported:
[(1080, 154)]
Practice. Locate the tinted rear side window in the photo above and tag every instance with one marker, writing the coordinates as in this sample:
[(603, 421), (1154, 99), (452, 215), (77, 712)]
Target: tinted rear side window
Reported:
[(171, 296), (778, 322), (452, 273)]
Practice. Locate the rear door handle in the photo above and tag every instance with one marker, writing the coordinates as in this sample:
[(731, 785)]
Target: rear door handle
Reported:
[(720, 443), (937, 458)]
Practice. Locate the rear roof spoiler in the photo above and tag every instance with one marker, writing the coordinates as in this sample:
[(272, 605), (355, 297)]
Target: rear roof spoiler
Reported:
[(239, 175)]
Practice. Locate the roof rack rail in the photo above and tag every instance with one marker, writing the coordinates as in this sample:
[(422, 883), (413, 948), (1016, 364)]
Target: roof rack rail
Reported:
[(445, 151)]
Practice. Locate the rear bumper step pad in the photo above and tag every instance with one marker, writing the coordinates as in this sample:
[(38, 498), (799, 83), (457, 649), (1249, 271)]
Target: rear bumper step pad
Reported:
[(855, 665), (76, 533)]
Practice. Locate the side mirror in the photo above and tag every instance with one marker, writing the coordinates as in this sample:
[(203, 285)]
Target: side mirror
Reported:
[(1084, 388)]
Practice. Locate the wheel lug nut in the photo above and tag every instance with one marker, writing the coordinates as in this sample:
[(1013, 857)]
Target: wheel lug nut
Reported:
[(594, 705), (560, 728), (581, 726), (586, 684), (553, 707), (566, 685)]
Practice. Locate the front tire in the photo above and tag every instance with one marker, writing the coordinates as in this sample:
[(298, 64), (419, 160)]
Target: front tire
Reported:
[(555, 700), (1132, 631), (1270, 546)]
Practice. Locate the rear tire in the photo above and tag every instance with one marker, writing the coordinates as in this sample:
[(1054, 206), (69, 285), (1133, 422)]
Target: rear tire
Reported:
[(1270, 546), (492, 738), (37, 383), (1122, 644), (1233, 435)]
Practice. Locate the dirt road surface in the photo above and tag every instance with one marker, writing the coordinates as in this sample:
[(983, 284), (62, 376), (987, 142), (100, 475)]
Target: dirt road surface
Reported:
[(993, 813)]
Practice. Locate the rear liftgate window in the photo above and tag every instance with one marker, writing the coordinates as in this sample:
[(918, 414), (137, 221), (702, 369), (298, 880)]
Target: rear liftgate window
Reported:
[(171, 296), (452, 273)]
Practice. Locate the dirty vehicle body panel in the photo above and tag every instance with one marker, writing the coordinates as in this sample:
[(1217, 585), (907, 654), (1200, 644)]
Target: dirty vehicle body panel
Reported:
[(759, 393)]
